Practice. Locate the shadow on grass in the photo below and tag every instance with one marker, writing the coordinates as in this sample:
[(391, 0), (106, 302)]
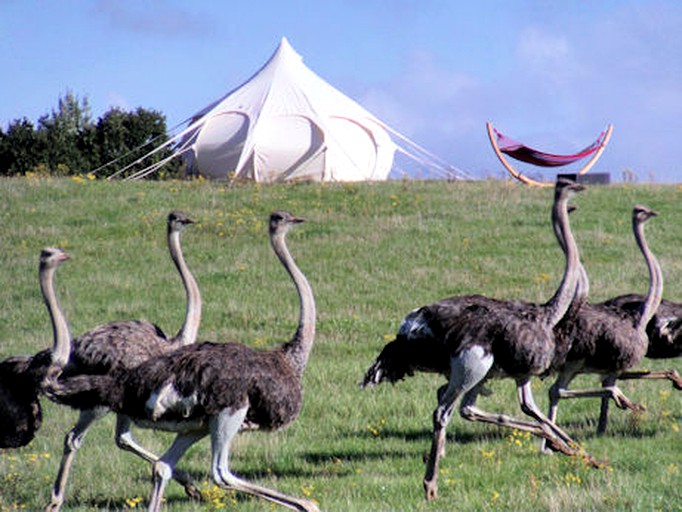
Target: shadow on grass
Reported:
[(424, 435), (107, 504), (201, 480), (417, 443), (586, 429)]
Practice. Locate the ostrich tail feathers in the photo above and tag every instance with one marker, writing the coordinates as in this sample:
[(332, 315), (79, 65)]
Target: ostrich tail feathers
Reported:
[(20, 410), (81, 391), (393, 364)]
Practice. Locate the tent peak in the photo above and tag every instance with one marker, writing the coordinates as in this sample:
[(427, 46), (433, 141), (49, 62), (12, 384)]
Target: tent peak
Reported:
[(285, 50), (287, 124)]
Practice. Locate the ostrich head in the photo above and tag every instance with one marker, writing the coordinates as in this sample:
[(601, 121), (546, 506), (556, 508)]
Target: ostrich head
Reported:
[(642, 213), (573, 187), (177, 221), (51, 257), (281, 222)]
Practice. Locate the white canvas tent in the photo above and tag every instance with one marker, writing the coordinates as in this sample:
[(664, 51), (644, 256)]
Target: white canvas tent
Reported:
[(286, 123)]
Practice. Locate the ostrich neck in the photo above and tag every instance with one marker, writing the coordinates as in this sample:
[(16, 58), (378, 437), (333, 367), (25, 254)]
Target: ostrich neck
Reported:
[(655, 291), (582, 288), (558, 305), (298, 348), (60, 330), (190, 327)]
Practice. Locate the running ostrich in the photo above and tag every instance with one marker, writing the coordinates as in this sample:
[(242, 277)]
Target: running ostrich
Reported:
[(470, 339), (665, 336), (213, 389), (125, 344), (665, 342), (20, 376), (605, 339), (121, 344), (20, 411)]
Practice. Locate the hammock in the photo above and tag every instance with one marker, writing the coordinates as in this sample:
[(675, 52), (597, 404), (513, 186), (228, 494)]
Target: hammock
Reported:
[(503, 144)]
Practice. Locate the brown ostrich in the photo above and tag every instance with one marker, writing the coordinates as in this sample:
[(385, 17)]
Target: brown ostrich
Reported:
[(20, 376), (664, 331), (211, 389), (20, 411), (665, 336), (605, 339), (125, 344), (119, 344), (470, 339)]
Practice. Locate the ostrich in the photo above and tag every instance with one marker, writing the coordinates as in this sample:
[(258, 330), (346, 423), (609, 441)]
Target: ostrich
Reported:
[(20, 411), (211, 389), (605, 339), (125, 344), (470, 339), (21, 414), (665, 341), (665, 336), (120, 344)]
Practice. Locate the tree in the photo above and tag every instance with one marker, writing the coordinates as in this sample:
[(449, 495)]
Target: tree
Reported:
[(61, 133), (67, 141), (20, 149), (127, 136)]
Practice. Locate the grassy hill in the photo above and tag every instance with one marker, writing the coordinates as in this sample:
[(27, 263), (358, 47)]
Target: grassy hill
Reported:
[(372, 252)]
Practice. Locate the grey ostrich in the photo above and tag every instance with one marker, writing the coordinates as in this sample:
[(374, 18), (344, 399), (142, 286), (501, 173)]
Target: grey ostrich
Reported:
[(20, 376), (665, 336), (125, 344), (470, 339), (605, 339), (212, 389), (665, 341), (120, 344)]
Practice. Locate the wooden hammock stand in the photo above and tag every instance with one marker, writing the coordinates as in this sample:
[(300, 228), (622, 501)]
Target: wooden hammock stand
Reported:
[(529, 155)]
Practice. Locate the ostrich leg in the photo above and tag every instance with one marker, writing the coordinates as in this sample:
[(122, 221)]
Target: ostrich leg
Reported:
[(72, 443), (672, 375), (468, 369), (223, 429)]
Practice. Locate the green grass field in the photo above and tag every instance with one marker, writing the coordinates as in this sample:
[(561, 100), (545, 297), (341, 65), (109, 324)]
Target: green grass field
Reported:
[(372, 252)]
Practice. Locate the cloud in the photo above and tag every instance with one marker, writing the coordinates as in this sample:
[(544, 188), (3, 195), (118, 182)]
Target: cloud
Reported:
[(426, 94), (560, 89), (152, 17), (117, 100), (543, 50)]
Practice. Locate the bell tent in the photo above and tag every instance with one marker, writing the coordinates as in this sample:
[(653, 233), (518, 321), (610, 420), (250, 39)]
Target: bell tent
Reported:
[(285, 124)]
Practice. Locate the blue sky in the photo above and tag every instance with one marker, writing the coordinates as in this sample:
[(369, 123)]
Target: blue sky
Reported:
[(552, 73)]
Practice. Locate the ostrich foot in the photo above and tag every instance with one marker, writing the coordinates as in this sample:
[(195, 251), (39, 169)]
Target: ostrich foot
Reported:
[(676, 379), (188, 484), (555, 445), (624, 402), (592, 462), (430, 490), (193, 492)]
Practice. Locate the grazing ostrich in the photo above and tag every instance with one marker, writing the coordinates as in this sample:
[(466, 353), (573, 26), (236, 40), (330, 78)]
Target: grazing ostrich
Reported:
[(212, 389), (120, 344), (470, 339), (607, 340), (20, 411)]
